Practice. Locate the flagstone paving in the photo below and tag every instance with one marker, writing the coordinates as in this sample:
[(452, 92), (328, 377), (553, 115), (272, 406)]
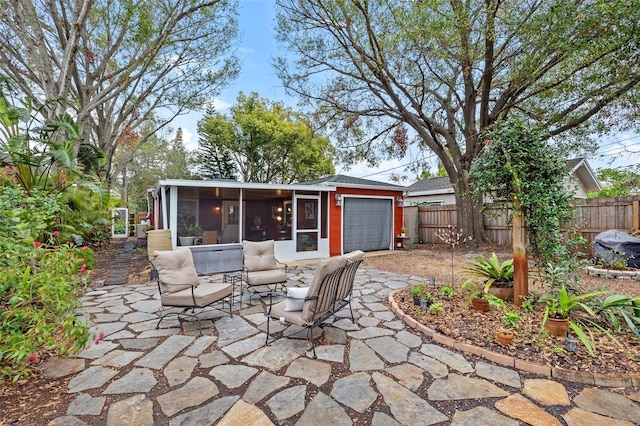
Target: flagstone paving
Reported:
[(374, 370)]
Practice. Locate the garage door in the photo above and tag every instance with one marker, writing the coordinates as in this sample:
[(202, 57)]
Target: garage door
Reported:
[(367, 224)]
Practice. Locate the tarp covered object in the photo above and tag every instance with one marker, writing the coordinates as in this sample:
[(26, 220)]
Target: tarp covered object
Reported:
[(613, 244)]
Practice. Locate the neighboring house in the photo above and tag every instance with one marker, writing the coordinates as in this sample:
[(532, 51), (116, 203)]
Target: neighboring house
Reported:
[(438, 191), (320, 218)]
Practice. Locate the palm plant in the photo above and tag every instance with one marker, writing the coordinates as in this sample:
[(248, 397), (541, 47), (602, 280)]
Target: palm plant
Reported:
[(490, 270)]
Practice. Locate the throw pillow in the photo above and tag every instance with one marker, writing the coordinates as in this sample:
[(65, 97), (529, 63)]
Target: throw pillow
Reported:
[(295, 298)]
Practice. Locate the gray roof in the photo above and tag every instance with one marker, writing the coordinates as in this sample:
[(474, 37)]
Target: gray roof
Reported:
[(431, 184), (350, 181)]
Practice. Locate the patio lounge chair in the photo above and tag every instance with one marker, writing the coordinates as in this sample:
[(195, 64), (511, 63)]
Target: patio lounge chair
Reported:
[(180, 286), (329, 291), (260, 266)]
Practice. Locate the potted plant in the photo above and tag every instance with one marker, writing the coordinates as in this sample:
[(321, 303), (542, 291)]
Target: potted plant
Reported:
[(426, 299), (505, 336), (403, 231), (475, 295), (559, 306), (497, 276), (187, 233), (416, 292)]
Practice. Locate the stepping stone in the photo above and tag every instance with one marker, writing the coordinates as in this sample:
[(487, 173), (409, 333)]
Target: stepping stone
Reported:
[(363, 358), (91, 378), (389, 349), (118, 358), (452, 359), (395, 325), (312, 371), (519, 407), (406, 407), (205, 415), (57, 367), (408, 339), (243, 347), (233, 376), (134, 317), (138, 343), (160, 333), (333, 353), (134, 411), (199, 345), (149, 306), (546, 392), (138, 380), (118, 309), (151, 324), (435, 368), (608, 404), (481, 416), (408, 375), (195, 392), (212, 359), (299, 332), (122, 334), (263, 385), (370, 332), (86, 405), (287, 403), (346, 324), (503, 375), (106, 317), (280, 353), (67, 421), (135, 297), (368, 322), (335, 335), (233, 329), (382, 419), (354, 391), (179, 370), (325, 410), (457, 387), (385, 316), (93, 351), (162, 354), (244, 414), (579, 417)]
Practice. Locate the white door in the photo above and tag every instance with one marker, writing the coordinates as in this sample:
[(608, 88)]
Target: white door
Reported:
[(230, 222)]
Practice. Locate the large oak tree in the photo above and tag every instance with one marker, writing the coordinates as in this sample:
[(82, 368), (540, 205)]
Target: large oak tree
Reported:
[(127, 67), (377, 71)]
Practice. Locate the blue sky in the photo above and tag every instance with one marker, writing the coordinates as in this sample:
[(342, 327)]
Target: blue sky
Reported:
[(256, 48)]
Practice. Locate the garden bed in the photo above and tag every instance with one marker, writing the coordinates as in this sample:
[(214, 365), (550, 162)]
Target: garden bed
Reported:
[(458, 321)]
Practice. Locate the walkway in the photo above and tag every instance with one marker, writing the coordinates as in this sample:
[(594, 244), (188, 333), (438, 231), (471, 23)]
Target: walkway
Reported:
[(375, 371)]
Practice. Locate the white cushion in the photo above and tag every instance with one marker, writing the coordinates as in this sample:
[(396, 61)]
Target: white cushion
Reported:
[(295, 298)]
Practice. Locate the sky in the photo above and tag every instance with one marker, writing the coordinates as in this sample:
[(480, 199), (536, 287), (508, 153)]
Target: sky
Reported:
[(256, 48)]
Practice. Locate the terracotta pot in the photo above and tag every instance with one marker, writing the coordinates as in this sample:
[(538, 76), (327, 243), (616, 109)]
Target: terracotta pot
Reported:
[(504, 338), (503, 291), (557, 326), (480, 304)]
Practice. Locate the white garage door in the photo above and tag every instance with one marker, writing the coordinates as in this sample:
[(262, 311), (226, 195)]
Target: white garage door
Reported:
[(367, 224)]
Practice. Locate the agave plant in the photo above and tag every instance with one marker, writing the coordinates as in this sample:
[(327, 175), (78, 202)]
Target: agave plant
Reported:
[(490, 270)]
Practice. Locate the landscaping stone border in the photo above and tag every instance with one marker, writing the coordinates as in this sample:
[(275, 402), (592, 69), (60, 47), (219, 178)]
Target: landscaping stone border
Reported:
[(613, 380), (613, 273)]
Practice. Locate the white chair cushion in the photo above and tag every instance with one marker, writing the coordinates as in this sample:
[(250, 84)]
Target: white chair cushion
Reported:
[(259, 256), (295, 298), (176, 269)]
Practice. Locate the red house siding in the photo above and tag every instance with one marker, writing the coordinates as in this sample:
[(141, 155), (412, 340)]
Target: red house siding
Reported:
[(335, 214)]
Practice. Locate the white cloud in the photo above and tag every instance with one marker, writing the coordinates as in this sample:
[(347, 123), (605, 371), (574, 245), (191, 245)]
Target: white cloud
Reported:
[(186, 136), (220, 105), (246, 50)]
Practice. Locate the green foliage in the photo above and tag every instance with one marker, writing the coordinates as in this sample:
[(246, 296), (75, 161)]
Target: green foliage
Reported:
[(618, 182), (511, 318), (447, 291), (428, 297), (517, 165), (264, 141), (617, 307), (436, 308), (489, 270), (495, 302), (417, 290)]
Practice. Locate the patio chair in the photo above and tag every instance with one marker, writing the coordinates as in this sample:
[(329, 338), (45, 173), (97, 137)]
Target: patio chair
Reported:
[(329, 291), (180, 286), (260, 266)]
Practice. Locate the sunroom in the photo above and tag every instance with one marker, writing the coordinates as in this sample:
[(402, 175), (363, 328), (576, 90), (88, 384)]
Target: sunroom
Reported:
[(227, 212)]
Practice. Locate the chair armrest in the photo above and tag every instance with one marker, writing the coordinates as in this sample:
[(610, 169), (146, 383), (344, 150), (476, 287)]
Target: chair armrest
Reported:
[(286, 267)]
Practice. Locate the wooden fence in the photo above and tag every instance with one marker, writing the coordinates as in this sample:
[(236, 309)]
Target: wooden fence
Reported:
[(591, 218)]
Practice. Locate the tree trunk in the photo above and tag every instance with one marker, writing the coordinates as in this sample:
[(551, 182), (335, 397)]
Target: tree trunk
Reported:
[(469, 213), (520, 261)]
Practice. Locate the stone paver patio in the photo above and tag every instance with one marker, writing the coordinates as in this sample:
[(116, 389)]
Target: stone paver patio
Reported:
[(371, 371)]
